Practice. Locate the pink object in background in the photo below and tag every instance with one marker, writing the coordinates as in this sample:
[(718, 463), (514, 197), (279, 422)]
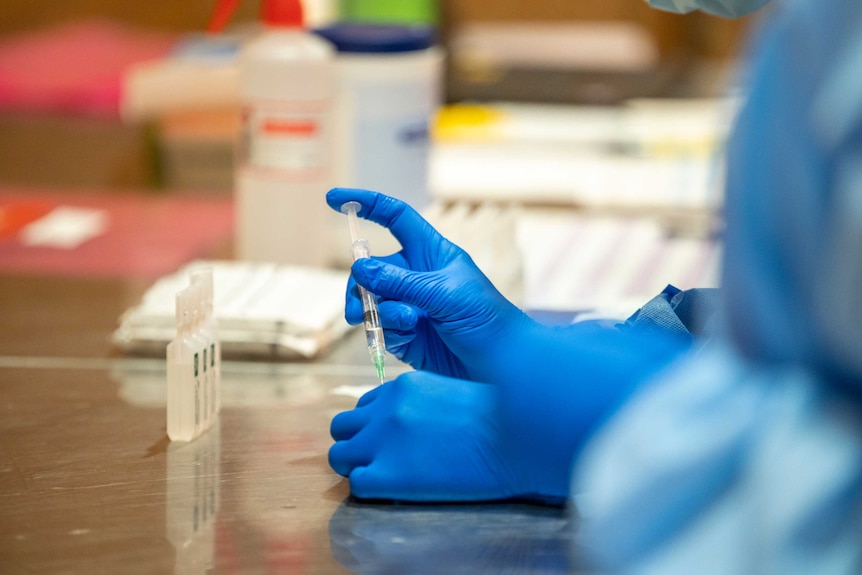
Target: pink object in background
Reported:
[(141, 236), (74, 68)]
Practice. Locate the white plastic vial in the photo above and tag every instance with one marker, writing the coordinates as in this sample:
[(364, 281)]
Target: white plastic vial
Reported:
[(174, 380), (204, 278), (181, 379), (193, 385), (285, 159)]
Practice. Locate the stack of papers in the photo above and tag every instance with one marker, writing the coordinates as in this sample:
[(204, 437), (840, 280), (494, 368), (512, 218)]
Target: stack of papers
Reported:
[(266, 310)]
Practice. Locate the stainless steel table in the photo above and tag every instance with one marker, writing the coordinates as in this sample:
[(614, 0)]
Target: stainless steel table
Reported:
[(90, 484)]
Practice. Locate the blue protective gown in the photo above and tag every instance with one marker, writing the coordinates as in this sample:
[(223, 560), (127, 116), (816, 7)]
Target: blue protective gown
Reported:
[(746, 457)]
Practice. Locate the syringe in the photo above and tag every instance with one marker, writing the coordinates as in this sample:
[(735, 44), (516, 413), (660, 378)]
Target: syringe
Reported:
[(371, 318)]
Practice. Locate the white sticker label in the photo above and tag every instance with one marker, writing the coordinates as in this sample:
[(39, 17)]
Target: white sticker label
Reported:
[(285, 138)]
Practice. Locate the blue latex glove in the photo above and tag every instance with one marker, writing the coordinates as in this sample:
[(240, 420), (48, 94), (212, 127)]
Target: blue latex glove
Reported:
[(424, 437), (439, 312)]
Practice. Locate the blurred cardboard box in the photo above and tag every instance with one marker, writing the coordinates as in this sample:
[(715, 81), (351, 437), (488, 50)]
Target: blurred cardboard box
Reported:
[(71, 152), (196, 149), (586, 52)]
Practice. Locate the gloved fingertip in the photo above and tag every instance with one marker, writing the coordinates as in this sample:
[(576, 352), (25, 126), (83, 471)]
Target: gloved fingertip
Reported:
[(366, 266), (336, 461), (337, 428), (369, 396), (336, 197), (407, 319), (342, 189), (337, 193), (333, 198), (397, 340), (367, 272), (353, 312), (363, 484), (398, 350)]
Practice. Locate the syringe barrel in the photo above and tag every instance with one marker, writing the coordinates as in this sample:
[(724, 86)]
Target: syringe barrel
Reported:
[(370, 315), (360, 249), (371, 318)]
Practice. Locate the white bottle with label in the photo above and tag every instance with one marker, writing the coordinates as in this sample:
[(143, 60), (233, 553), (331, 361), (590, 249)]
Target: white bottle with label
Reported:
[(390, 84), (285, 159)]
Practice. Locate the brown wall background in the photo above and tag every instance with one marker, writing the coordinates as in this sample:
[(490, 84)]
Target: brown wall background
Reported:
[(177, 15), (694, 34), (697, 34)]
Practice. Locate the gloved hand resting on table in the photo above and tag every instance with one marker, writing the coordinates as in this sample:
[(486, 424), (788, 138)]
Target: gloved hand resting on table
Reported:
[(526, 395)]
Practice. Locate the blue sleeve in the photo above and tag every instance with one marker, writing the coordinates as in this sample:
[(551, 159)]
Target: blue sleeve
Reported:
[(746, 456), (695, 470), (563, 383), (617, 360), (690, 314), (726, 8)]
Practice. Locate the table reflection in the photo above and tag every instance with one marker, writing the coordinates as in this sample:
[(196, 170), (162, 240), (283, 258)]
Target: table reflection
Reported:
[(477, 538), (193, 500), (255, 493)]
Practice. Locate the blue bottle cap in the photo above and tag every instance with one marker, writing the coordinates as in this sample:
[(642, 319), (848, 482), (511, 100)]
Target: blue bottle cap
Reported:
[(378, 38)]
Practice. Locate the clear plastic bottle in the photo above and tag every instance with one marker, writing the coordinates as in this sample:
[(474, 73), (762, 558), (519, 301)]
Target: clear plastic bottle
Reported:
[(284, 159)]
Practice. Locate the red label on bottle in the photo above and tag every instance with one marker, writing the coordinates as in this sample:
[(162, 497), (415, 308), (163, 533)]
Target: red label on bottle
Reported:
[(286, 127)]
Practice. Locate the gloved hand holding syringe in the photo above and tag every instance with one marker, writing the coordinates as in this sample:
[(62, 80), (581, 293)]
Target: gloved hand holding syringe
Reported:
[(371, 318)]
